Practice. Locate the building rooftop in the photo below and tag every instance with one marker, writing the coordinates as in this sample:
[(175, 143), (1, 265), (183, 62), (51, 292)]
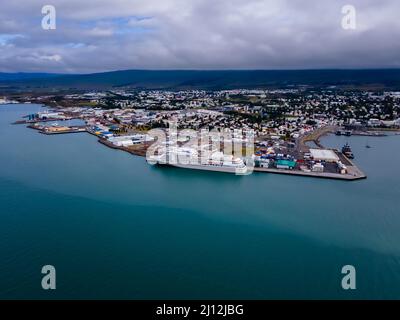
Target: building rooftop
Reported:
[(324, 155)]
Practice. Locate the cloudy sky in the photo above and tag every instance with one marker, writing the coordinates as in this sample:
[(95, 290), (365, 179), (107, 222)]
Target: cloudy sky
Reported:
[(104, 35)]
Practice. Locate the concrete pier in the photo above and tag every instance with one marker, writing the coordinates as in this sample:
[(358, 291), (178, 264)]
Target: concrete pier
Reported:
[(353, 173)]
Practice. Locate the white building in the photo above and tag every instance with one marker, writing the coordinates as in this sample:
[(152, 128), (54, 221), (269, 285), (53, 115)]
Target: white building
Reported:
[(324, 155), (318, 167)]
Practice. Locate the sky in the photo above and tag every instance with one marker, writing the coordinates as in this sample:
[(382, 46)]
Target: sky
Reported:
[(104, 35)]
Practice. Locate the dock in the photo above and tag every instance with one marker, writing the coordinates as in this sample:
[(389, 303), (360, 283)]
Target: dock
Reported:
[(69, 130), (58, 129), (137, 150), (44, 120), (354, 173)]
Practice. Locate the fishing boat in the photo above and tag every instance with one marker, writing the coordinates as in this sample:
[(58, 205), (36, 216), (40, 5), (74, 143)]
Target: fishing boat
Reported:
[(346, 150)]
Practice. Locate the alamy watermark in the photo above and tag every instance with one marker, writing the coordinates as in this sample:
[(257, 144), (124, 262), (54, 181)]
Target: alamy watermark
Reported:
[(224, 150), (49, 20), (49, 280), (349, 19), (349, 280)]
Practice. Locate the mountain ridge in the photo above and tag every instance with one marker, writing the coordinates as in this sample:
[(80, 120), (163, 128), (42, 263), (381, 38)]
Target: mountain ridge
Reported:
[(204, 79)]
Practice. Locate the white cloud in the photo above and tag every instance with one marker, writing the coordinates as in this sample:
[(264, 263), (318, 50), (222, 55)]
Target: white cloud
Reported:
[(54, 57), (100, 32)]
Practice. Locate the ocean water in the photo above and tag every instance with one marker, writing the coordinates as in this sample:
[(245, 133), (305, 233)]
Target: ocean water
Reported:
[(115, 227)]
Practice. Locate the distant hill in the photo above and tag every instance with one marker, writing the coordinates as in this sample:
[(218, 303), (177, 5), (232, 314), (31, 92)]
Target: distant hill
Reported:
[(25, 76), (192, 79)]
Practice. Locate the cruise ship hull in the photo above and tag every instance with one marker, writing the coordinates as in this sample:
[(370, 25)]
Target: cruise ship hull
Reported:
[(216, 168)]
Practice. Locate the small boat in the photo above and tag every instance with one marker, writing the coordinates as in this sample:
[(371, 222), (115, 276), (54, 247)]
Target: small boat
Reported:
[(346, 150), (368, 146)]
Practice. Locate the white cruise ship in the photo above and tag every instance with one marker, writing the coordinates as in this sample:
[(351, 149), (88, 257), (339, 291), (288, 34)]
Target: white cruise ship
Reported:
[(188, 158)]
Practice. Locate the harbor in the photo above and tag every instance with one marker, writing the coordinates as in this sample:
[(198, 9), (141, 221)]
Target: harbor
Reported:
[(275, 157), (285, 135)]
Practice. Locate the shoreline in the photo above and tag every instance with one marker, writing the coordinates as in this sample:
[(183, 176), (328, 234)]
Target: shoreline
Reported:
[(354, 173)]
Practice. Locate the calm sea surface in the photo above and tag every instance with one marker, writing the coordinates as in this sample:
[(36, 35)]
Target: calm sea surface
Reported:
[(115, 227)]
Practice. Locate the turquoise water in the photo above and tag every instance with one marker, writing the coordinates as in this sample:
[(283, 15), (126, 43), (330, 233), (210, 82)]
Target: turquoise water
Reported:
[(115, 227)]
